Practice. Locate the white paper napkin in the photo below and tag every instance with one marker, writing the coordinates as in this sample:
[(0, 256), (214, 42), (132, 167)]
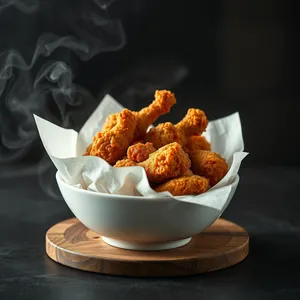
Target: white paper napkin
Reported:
[(65, 148)]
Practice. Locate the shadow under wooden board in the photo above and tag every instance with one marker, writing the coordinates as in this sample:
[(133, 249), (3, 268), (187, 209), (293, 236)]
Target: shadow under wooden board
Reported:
[(222, 245)]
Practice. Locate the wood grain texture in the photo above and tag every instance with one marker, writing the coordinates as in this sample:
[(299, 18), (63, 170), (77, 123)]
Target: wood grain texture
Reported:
[(222, 245)]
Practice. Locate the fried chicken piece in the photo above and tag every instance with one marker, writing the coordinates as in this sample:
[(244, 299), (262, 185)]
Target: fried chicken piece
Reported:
[(188, 173), (140, 152), (194, 122), (125, 162), (110, 122), (197, 142), (167, 162), (163, 134), (185, 185), (161, 105), (111, 145), (208, 164)]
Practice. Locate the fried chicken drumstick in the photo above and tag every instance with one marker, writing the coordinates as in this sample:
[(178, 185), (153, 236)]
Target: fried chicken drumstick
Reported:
[(208, 164), (161, 105), (197, 142), (185, 185), (167, 162), (194, 122)]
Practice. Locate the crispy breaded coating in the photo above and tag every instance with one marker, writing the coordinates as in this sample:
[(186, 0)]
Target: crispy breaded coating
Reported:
[(125, 162), (163, 134), (167, 162), (140, 151), (185, 185), (194, 122), (197, 142), (208, 164), (188, 173), (110, 122), (111, 145), (161, 105)]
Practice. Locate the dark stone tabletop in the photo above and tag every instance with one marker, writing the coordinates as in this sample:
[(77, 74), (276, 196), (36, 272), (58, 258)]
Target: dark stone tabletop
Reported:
[(266, 204)]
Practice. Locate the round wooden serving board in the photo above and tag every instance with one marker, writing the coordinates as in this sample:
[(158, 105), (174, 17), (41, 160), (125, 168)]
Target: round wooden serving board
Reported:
[(222, 245)]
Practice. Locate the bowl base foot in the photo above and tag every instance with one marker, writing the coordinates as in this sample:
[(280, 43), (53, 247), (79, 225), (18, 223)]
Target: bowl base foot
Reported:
[(146, 246)]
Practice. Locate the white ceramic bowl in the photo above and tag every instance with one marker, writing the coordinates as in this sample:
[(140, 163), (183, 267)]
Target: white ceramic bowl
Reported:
[(139, 223)]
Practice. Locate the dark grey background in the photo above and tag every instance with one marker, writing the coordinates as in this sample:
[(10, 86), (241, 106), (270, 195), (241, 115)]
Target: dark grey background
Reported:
[(221, 56)]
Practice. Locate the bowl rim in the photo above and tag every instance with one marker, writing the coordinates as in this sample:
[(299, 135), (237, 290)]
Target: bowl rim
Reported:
[(61, 181)]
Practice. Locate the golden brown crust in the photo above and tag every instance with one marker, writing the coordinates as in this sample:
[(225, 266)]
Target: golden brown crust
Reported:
[(208, 164), (187, 173), (112, 145), (163, 134), (110, 122), (197, 142), (185, 185), (140, 151), (167, 162), (161, 105), (194, 122), (125, 162)]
